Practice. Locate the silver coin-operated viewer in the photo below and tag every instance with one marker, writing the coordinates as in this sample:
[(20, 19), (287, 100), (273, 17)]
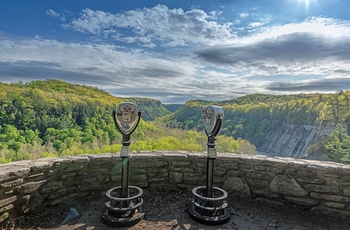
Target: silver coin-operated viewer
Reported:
[(124, 207), (209, 205)]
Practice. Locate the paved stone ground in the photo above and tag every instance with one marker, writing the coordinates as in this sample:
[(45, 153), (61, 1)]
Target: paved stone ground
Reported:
[(166, 210)]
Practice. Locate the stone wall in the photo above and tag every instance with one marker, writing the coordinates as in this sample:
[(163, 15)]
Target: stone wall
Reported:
[(321, 187)]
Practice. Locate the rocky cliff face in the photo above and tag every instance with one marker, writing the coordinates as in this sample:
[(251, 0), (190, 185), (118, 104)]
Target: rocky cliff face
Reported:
[(293, 140)]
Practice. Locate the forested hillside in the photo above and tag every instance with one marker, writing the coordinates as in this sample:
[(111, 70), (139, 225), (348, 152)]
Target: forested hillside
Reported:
[(151, 109), (51, 118), (173, 107), (54, 118), (253, 117)]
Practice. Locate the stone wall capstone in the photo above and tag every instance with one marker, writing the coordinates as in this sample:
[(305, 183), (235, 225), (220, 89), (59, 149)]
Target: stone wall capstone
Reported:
[(321, 187)]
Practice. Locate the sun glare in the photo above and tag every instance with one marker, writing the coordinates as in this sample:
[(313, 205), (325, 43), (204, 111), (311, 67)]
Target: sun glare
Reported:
[(307, 4)]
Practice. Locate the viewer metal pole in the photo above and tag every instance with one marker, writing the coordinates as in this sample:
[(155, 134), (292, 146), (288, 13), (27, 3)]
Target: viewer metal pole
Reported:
[(210, 166), (125, 167)]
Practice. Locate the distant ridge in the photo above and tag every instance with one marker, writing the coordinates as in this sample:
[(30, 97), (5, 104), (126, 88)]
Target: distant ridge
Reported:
[(173, 107)]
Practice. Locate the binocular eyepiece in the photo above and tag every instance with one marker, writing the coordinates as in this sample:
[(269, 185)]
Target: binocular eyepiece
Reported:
[(212, 118), (126, 117)]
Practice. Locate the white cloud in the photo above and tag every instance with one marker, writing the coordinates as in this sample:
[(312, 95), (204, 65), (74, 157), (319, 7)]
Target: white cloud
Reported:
[(256, 24), (52, 13), (317, 46), (171, 27), (215, 13), (243, 15), (105, 66)]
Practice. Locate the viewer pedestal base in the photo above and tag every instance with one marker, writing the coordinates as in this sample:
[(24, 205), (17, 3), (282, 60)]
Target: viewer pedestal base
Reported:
[(209, 210), (121, 212)]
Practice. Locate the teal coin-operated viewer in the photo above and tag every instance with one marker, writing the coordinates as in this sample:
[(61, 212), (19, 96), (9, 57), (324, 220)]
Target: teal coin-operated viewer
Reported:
[(209, 205), (124, 207)]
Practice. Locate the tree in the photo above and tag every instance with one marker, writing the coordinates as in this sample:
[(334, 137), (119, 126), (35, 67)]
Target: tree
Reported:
[(245, 147), (337, 145)]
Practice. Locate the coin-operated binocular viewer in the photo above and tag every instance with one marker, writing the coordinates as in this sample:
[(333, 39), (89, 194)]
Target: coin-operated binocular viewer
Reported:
[(124, 207), (209, 205)]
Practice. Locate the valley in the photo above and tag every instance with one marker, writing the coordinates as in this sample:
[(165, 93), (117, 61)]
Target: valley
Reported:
[(54, 118)]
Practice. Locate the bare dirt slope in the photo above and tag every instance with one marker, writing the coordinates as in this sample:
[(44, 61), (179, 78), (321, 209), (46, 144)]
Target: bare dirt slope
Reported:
[(166, 210)]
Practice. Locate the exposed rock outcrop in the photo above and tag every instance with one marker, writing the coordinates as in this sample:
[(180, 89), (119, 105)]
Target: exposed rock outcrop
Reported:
[(293, 140)]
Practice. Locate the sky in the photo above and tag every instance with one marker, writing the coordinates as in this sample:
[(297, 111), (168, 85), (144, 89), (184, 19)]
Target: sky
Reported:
[(175, 51)]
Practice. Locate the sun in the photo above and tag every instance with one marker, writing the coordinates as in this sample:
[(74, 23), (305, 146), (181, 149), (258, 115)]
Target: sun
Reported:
[(306, 3)]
